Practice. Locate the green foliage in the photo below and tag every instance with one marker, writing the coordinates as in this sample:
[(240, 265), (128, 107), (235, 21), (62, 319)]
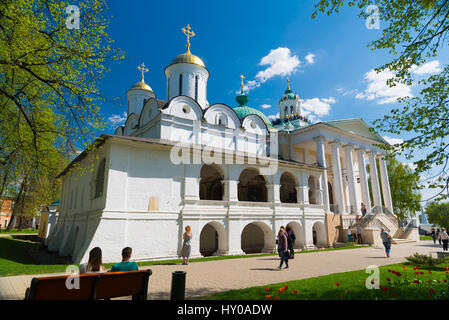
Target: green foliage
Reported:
[(424, 260), (438, 213), (49, 99), (414, 31)]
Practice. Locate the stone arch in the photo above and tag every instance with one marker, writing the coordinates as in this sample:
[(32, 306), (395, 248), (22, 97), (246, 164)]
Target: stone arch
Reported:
[(214, 112), (119, 131), (313, 185), (319, 234), (131, 124), (149, 111), (252, 186), (299, 234), (211, 182), (213, 239), (254, 124), (287, 188), (257, 237), (184, 107)]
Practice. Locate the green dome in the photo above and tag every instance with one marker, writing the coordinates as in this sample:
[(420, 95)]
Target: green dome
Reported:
[(290, 95), (242, 99), (243, 111)]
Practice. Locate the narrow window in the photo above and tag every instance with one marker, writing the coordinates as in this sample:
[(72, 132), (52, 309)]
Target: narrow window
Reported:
[(99, 181), (180, 84), (196, 88)]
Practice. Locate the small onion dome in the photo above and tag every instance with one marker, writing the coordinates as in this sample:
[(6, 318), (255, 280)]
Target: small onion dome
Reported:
[(242, 99), (141, 85), (188, 57)]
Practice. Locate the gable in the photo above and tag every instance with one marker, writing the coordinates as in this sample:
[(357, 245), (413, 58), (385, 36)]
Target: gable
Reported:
[(357, 127)]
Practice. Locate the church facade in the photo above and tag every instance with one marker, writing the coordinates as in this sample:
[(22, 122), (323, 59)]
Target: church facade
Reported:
[(230, 173)]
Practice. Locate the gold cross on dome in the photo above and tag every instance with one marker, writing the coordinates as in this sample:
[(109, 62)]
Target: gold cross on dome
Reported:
[(142, 68), (241, 76), (189, 33), (288, 83)]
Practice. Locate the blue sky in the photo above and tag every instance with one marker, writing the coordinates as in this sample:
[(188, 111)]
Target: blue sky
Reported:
[(326, 59)]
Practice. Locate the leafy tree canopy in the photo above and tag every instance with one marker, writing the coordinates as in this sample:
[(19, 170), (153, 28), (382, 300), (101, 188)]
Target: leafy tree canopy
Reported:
[(414, 31)]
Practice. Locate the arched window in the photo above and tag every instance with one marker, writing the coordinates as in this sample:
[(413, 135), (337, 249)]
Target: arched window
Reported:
[(211, 183), (252, 186), (292, 110), (287, 190), (99, 179), (221, 119), (286, 110)]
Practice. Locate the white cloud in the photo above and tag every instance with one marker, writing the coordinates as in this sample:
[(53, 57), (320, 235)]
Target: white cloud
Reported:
[(274, 116), (117, 120), (393, 141), (427, 68), (379, 90), (265, 106), (317, 106), (280, 62), (310, 58)]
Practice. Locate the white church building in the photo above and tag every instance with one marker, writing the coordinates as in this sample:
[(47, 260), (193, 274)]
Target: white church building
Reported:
[(229, 172)]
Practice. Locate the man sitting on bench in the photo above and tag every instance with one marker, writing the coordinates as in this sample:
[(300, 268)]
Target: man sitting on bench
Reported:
[(125, 265)]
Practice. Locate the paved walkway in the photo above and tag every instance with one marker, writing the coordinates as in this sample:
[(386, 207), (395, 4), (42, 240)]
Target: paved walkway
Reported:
[(214, 276)]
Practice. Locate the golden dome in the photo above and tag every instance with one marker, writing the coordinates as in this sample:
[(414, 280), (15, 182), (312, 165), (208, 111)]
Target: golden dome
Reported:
[(188, 57), (141, 85)]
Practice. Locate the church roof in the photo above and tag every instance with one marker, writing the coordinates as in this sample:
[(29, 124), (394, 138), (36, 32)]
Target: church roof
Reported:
[(243, 111), (358, 127), (188, 57)]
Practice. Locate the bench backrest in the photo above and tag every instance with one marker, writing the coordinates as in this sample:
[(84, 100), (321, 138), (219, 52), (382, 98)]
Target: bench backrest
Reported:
[(92, 286), (121, 284)]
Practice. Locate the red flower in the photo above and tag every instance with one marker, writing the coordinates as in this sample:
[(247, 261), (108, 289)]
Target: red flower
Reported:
[(385, 289), (295, 291), (416, 281), (388, 279), (429, 295), (421, 273), (430, 272), (267, 289), (446, 268), (340, 297), (372, 281), (394, 295), (417, 273), (438, 281), (398, 274), (432, 291), (445, 281), (337, 284), (268, 296), (277, 298), (285, 287), (390, 270)]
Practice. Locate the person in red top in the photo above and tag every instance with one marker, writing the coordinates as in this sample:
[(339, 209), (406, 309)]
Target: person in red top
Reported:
[(283, 247)]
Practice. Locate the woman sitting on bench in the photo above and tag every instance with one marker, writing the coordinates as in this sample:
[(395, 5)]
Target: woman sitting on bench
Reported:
[(95, 263)]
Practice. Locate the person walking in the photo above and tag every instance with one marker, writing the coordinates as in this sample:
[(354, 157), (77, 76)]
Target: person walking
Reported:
[(363, 210), (438, 236), (186, 245), (291, 241), (283, 247), (359, 234), (349, 234), (434, 236), (444, 238), (386, 240)]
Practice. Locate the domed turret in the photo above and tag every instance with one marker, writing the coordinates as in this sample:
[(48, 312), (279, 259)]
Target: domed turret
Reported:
[(139, 93), (243, 110), (289, 104), (187, 75)]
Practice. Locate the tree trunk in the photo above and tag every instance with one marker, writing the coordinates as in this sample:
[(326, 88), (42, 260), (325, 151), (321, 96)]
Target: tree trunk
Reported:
[(18, 204)]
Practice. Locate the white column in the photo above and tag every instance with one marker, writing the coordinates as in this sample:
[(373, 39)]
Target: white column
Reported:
[(385, 184), (353, 198), (338, 182), (321, 159), (374, 179), (363, 179)]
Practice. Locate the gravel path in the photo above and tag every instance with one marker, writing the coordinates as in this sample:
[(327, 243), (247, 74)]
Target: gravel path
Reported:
[(215, 276)]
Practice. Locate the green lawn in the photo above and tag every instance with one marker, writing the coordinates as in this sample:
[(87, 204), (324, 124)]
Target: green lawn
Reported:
[(15, 260), (350, 286), (27, 231), (425, 238)]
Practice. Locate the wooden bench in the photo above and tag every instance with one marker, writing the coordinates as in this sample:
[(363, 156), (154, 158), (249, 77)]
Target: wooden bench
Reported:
[(92, 286)]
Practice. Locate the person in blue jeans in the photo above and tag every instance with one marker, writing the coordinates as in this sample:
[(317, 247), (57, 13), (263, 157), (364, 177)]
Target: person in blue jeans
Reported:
[(125, 265), (283, 247), (386, 240)]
